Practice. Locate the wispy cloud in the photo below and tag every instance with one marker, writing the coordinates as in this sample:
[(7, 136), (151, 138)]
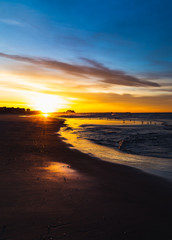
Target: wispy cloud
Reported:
[(162, 63), (10, 21), (122, 102), (90, 69), (165, 74)]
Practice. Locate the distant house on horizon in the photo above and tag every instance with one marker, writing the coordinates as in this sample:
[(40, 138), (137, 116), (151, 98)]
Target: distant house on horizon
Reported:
[(70, 111)]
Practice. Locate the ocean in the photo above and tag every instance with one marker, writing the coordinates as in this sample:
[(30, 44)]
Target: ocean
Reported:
[(140, 140)]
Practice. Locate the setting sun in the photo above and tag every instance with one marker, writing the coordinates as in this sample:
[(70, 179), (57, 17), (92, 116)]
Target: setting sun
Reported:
[(48, 103)]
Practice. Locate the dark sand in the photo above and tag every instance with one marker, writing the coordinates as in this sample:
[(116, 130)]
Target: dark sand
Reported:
[(49, 191)]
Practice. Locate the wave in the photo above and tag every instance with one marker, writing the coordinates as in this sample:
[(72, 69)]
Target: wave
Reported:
[(142, 143)]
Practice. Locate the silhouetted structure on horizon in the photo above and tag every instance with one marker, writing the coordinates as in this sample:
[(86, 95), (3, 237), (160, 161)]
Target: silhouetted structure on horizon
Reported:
[(70, 111), (13, 110)]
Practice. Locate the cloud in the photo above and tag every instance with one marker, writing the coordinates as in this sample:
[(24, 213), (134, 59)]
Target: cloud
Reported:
[(158, 75), (94, 63), (10, 21), (162, 63), (120, 102), (115, 98), (91, 70)]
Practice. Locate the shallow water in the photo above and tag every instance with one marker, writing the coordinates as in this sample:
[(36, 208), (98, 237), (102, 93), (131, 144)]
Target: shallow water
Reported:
[(102, 138)]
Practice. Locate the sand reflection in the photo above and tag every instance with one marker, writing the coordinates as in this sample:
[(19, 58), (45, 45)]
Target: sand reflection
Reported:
[(55, 170)]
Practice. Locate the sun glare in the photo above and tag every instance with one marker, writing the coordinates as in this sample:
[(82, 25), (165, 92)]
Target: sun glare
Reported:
[(48, 103)]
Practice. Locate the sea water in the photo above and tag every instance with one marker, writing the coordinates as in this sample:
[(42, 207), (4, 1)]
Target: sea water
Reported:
[(143, 141)]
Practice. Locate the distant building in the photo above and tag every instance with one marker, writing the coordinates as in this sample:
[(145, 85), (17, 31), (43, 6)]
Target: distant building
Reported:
[(70, 111), (13, 110)]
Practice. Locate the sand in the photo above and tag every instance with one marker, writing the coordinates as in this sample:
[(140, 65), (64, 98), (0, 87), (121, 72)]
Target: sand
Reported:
[(49, 191)]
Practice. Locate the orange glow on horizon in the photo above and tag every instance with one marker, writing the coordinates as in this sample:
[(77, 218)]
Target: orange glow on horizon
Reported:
[(48, 96)]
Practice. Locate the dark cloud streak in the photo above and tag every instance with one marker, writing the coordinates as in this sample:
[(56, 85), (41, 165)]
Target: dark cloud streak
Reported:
[(92, 69)]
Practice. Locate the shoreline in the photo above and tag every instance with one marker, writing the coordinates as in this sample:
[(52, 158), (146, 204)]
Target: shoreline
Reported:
[(74, 135), (50, 190)]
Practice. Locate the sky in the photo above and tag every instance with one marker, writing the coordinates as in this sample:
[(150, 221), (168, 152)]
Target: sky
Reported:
[(90, 56)]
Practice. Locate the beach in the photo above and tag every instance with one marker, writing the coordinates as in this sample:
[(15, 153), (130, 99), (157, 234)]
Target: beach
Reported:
[(142, 141), (50, 191)]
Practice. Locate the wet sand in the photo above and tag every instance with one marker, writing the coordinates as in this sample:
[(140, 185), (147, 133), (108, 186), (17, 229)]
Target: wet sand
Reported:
[(49, 191)]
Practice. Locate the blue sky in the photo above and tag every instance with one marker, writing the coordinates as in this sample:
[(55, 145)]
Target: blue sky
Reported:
[(131, 36)]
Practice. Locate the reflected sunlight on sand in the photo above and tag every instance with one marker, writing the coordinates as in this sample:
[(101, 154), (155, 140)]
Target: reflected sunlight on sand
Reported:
[(55, 169)]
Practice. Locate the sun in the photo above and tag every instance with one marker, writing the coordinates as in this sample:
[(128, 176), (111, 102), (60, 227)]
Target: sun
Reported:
[(47, 103)]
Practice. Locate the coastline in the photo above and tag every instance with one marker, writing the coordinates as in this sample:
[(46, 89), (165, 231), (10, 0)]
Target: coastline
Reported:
[(50, 190), (102, 139)]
